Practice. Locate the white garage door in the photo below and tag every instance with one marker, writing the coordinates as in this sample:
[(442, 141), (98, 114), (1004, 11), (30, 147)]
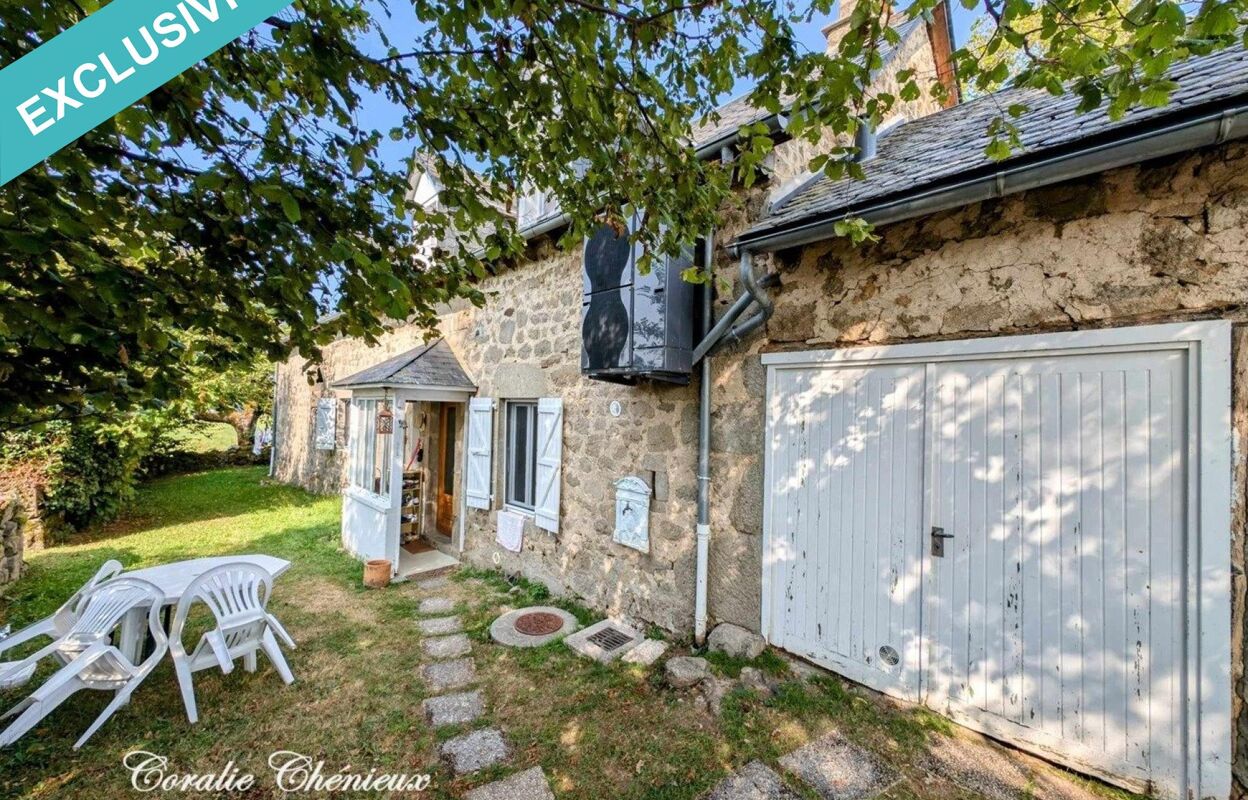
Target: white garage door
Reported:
[(1008, 530)]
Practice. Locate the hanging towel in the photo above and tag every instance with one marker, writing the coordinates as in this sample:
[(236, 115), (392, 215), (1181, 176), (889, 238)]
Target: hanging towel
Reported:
[(510, 530)]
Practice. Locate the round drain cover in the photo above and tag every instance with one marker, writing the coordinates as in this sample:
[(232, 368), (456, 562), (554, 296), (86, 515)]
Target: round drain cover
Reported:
[(538, 623)]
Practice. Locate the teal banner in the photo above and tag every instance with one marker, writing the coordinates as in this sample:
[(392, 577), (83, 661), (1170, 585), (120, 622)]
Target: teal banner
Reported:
[(100, 66)]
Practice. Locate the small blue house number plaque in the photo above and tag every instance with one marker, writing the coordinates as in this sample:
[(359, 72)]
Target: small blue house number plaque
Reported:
[(632, 513)]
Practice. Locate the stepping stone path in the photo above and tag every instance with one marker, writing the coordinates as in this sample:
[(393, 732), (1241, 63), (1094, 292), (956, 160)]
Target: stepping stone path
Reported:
[(452, 646), (453, 709), (439, 626), (474, 751), (437, 605), (528, 785), (448, 667)]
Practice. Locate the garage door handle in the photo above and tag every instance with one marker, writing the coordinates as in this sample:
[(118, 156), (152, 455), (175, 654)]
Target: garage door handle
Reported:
[(938, 541)]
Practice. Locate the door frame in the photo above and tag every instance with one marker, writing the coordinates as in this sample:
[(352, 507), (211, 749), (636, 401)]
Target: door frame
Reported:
[(1206, 623)]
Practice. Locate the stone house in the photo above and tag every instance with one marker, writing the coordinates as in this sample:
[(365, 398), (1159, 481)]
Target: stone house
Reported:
[(990, 462)]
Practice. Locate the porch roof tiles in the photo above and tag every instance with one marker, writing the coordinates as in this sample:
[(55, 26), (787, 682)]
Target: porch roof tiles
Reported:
[(431, 365)]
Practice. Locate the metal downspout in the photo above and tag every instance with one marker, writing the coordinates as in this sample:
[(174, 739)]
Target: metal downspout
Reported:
[(714, 335), (703, 530)]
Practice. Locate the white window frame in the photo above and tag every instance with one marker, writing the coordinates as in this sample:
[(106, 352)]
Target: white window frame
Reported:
[(510, 502), (362, 456)]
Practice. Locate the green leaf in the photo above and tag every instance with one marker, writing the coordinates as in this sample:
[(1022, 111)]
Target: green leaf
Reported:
[(290, 207)]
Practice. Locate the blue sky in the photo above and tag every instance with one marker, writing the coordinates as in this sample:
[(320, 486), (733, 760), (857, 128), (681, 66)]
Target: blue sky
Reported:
[(400, 25)]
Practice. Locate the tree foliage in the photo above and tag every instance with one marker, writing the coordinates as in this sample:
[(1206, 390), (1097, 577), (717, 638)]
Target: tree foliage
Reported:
[(230, 210)]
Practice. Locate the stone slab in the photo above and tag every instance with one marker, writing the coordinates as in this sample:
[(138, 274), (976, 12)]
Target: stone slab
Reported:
[(838, 769), (452, 646), (580, 641), (528, 785), (754, 781), (453, 709), (646, 653), (503, 630), (430, 584), (440, 626), (437, 605), (475, 751), (446, 675), (685, 671)]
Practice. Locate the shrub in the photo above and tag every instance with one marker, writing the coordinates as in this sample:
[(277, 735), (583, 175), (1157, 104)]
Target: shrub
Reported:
[(87, 468)]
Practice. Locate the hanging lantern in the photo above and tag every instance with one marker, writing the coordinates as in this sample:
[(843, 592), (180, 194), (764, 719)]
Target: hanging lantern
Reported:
[(385, 421)]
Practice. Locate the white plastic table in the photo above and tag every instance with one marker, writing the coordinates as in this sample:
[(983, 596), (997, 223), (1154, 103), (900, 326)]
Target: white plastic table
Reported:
[(173, 579)]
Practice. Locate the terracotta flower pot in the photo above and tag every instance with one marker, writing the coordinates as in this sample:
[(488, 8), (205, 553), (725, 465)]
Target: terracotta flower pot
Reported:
[(377, 573)]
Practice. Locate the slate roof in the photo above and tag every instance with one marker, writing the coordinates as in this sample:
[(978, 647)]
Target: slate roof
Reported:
[(432, 365), (950, 143)]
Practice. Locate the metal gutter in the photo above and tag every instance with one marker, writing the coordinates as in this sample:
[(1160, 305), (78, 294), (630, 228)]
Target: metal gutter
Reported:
[(1206, 130)]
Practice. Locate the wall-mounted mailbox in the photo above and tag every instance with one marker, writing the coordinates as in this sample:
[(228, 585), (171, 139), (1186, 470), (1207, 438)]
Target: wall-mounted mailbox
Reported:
[(632, 513)]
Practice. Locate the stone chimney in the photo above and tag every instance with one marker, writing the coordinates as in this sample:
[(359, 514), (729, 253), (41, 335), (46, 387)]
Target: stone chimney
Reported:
[(835, 30)]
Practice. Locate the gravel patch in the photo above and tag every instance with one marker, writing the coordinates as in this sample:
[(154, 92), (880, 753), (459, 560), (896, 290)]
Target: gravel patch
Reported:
[(996, 774), (838, 769), (475, 751), (754, 781)]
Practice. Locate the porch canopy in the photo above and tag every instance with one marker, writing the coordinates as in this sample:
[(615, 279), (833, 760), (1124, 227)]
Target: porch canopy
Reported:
[(428, 372)]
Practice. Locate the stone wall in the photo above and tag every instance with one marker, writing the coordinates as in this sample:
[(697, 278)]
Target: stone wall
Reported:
[(26, 484), (12, 538)]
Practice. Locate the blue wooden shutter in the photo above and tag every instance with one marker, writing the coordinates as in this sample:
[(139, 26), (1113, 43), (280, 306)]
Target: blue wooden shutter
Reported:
[(478, 470), (549, 462)]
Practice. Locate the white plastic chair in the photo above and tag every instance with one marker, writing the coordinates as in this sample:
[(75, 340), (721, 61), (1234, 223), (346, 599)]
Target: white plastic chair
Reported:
[(54, 626), (237, 595), (92, 662)]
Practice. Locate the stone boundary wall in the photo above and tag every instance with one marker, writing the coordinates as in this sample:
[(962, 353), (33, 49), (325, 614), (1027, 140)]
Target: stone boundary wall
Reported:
[(12, 543)]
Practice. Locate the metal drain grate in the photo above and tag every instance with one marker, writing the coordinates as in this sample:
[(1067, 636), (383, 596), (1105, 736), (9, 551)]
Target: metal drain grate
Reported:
[(610, 639)]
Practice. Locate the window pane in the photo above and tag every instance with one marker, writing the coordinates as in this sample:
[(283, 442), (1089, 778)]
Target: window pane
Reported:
[(521, 459)]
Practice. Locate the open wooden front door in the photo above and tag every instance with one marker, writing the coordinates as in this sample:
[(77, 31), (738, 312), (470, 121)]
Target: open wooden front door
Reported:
[(445, 479)]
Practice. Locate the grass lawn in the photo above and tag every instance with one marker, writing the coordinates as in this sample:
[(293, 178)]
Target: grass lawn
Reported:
[(599, 732), (206, 437)]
